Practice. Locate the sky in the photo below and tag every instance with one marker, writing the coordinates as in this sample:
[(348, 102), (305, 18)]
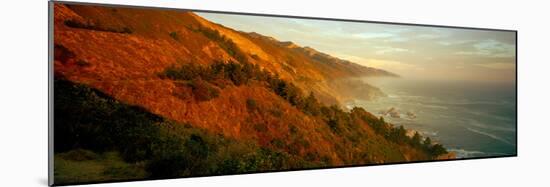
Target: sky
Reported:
[(415, 52)]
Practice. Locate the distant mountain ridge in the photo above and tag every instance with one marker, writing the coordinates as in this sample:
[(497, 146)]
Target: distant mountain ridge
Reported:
[(353, 68)]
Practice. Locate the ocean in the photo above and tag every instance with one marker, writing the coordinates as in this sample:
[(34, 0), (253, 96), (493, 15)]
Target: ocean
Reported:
[(472, 119)]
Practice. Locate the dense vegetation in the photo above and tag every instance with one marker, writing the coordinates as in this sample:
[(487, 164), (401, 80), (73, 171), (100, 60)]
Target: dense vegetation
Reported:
[(90, 126), (399, 135), (219, 75), (94, 130), (89, 122)]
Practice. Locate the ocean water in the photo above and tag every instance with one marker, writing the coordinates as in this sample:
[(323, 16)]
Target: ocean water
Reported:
[(472, 119)]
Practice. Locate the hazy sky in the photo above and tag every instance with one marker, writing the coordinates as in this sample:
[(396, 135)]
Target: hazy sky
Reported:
[(410, 51)]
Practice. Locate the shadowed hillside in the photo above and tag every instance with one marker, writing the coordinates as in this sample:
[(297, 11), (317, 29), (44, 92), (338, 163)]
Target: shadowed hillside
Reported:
[(145, 90)]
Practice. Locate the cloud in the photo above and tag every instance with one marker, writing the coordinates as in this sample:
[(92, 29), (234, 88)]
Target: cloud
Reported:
[(386, 36), (353, 58), (373, 35), (498, 66), (429, 36), (490, 48), (495, 47), (388, 50), (390, 65), (396, 39), (454, 42)]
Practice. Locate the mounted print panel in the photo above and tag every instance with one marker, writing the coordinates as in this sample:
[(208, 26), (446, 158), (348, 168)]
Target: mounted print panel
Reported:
[(143, 93)]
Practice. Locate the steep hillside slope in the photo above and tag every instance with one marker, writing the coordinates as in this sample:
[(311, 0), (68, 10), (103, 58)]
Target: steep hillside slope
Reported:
[(174, 67)]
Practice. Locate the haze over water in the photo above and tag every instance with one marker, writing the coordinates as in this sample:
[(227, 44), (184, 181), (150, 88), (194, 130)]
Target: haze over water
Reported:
[(473, 119)]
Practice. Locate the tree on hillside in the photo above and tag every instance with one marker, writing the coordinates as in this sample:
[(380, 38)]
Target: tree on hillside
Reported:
[(398, 135), (437, 150), (427, 142), (310, 105), (416, 139)]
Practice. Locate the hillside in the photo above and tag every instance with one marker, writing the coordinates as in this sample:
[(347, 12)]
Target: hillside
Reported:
[(147, 89)]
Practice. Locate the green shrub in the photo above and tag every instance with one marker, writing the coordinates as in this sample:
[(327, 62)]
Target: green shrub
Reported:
[(334, 125), (186, 71), (437, 150), (107, 166), (202, 90), (62, 54), (398, 135), (229, 165), (427, 142), (260, 127), (278, 143), (251, 104), (310, 105), (126, 30), (286, 90), (277, 112), (174, 36), (292, 129), (168, 166), (197, 147), (82, 63), (416, 140)]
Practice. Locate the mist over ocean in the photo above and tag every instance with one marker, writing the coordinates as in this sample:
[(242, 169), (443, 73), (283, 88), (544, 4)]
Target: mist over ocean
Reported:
[(473, 119)]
